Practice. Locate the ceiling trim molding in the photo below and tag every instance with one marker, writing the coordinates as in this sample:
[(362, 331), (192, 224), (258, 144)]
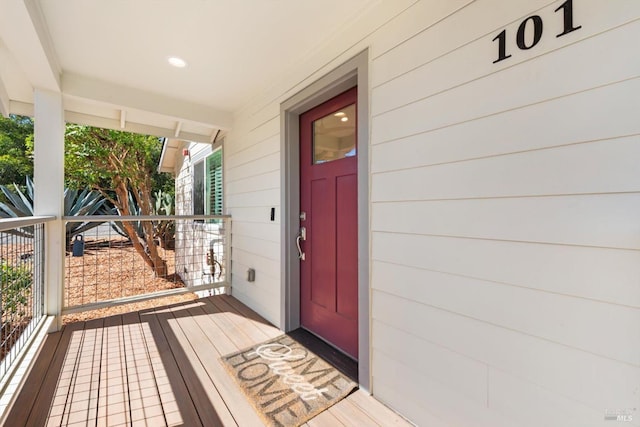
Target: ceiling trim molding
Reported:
[(21, 108), (123, 97), (103, 122), (46, 43)]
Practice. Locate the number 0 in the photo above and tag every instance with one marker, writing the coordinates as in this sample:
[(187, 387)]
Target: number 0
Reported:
[(537, 32)]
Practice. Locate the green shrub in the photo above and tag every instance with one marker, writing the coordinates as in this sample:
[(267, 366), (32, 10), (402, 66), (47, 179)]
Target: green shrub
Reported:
[(15, 287)]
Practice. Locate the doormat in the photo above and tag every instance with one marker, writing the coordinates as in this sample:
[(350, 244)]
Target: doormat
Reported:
[(285, 382)]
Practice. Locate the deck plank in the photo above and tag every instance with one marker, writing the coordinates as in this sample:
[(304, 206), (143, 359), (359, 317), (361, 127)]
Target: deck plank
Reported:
[(33, 385), (114, 407), (324, 419), (201, 336), (144, 397), (159, 367), (235, 333), (45, 402), (189, 405), (82, 401), (246, 325), (268, 328), (350, 414), (377, 410), (210, 406)]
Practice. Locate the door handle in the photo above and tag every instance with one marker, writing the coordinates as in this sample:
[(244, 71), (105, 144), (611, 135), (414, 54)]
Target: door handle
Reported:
[(302, 235)]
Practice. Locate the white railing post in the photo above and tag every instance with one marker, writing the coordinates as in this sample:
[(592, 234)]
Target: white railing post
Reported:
[(49, 128)]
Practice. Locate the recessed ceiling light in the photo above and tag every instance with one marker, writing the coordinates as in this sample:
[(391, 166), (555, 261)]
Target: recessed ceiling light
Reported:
[(177, 62), (345, 119), (339, 114)]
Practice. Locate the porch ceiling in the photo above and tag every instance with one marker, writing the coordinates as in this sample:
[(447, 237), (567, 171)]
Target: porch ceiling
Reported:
[(109, 58)]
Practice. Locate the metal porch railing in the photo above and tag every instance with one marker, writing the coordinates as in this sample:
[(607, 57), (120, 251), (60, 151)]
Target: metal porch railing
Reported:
[(106, 266), (22, 260)]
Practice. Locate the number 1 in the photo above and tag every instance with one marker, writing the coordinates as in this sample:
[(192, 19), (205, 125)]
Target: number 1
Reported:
[(567, 8), (502, 46)]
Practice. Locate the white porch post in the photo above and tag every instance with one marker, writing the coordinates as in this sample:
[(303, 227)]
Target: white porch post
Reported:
[(48, 168)]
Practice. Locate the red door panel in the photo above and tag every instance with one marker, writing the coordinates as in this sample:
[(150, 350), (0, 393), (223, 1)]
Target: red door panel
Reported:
[(328, 196), (322, 273), (347, 245)]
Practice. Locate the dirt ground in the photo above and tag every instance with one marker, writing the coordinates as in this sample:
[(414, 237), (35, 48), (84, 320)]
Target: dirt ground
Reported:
[(109, 269), (112, 269)]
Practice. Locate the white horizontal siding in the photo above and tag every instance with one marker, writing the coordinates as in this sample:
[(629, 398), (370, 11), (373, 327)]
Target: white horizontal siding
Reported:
[(567, 320), (505, 230), (254, 166), (594, 380), (522, 401), (268, 180), (601, 113), (603, 220), (559, 73), (577, 169), (269, 232), (264, 263), (601, 274), (261, 149), (427, 402), (505, 239), (253, 214), (450, 369), (451, 70), (478, 18), (254, 198)]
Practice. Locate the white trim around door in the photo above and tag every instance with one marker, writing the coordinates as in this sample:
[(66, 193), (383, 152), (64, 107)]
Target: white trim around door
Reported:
[(352, 73)]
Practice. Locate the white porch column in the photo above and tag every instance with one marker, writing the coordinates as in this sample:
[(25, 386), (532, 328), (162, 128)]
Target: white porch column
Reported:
[(48, 168)]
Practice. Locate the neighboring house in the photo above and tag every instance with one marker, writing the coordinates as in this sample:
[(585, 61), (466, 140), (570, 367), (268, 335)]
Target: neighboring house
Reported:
[(471, 231), (197, 168)]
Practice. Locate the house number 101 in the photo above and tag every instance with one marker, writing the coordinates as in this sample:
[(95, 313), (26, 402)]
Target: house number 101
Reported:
[(536, 21)]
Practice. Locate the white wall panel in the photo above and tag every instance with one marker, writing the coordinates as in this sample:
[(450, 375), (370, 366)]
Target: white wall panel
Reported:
[(560, 73), (264, 148), (254, 167), (410, 23), (265, 181), (255, 135), (267, 263), (607, 220), (521, 401), (568, 320), (598, 167), (429, 402), (479, 19), (610, 275), (256, 246), (253, 214), (601, 113), (592, 380), (269, 231), (452, 70), (451, 369), (504, 204)]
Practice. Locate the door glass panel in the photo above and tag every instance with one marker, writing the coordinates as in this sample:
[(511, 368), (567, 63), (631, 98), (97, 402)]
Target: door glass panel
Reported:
[(334, 135)]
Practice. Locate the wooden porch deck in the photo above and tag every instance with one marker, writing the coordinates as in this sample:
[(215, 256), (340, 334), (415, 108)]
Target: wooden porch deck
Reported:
[(160, 367)]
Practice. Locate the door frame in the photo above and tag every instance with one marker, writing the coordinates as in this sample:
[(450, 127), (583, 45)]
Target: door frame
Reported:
[(352, 73)]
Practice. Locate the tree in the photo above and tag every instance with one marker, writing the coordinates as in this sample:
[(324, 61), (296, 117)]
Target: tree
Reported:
[(76, 203), (121, 166), (16, 149)]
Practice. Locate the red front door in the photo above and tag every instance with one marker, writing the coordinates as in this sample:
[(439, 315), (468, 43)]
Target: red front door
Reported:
[(329, 216)]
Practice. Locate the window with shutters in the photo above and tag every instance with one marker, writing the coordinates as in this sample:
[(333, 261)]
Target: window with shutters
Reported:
[(207, 185), (213, 188)]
